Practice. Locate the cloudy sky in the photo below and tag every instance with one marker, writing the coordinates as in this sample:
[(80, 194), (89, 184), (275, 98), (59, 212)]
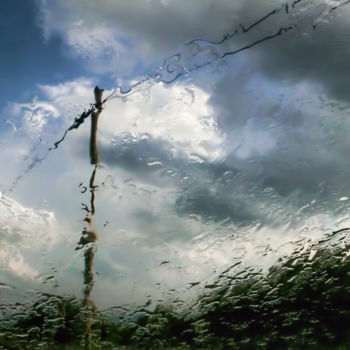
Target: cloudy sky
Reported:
[(224, 136)]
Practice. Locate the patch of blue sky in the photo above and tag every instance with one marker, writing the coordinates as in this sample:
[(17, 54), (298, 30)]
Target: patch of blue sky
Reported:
[(26, 58)]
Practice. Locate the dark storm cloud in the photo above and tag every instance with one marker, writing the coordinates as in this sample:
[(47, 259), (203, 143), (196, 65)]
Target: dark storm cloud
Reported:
[(308, 50), (321, 55), (148, 158), (216, 206), (316, 50), (137, 155), (213, 191), (307, 163)]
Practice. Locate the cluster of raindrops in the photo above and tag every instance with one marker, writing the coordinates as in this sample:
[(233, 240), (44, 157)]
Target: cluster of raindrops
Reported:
[(301, 302)]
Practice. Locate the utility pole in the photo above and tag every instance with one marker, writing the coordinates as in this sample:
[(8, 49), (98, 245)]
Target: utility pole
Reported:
[(96, 111), (89, 234)]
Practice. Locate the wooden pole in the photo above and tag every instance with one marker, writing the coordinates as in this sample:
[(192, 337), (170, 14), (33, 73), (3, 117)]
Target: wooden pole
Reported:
[(94, 154), (89, 235)]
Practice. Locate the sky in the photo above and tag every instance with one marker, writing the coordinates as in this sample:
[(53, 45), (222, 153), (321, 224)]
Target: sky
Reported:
[(224, 136)]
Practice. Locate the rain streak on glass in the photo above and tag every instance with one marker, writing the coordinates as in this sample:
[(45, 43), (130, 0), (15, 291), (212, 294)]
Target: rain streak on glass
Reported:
[(188, 190)]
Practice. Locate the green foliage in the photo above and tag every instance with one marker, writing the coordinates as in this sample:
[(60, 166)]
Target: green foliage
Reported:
[(301, 303)]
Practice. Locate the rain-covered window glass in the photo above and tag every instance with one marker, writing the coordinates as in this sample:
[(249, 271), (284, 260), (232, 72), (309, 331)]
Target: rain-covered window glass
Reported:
[(175, 174)]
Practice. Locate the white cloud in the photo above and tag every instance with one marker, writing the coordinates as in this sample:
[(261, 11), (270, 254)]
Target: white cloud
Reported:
[(33, 127), (31, 117), (179, 114), (75, 90), (69, 98), (24, 230), (26, 227), (20, 268), (116, 36), (59, 105)]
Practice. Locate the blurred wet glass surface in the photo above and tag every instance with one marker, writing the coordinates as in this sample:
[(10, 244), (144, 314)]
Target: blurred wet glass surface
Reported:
[(220, 207)]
